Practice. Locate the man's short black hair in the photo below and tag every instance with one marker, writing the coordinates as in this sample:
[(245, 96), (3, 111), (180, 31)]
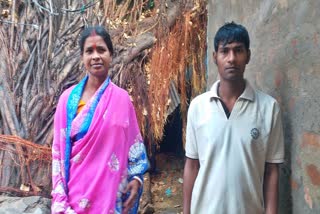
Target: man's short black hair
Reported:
[(231, 32)]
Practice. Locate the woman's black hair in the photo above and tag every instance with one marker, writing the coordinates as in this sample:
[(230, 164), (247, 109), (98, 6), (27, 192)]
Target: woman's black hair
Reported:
[(231, 32), (98, 30)]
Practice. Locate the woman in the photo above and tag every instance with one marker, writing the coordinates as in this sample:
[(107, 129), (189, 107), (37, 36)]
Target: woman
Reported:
[(98, 153)]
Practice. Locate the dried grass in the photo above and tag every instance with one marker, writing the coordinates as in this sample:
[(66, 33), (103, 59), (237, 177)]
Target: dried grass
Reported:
[(183, 49)]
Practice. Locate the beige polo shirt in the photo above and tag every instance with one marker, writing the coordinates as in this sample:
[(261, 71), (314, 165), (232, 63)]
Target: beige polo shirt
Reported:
[(233, 152)]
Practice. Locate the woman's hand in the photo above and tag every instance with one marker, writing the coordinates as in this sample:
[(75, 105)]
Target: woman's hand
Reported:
[(133, 188)]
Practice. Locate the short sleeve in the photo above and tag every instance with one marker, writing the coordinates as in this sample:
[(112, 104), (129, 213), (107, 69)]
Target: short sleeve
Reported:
[(191, 140), (275, 150)]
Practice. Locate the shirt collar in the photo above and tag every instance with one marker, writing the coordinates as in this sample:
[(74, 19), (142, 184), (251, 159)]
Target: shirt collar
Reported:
[(247, 94)]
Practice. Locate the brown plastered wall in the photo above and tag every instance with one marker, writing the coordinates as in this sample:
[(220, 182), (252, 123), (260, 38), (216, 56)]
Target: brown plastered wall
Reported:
[(285, 62)]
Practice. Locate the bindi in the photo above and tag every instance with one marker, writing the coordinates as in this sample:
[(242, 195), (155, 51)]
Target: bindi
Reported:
[(94, 46), (93, 33)]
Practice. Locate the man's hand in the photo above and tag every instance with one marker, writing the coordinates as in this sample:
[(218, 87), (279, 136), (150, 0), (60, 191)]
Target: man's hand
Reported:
[(191, 170), (133, 188)]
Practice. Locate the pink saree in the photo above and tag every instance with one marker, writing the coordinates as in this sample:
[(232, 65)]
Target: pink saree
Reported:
[(99, 161)]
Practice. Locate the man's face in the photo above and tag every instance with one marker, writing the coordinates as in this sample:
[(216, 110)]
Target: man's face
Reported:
[(231, 60)]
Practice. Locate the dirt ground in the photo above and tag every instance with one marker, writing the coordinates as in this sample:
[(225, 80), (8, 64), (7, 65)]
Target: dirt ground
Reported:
[(166, 184)]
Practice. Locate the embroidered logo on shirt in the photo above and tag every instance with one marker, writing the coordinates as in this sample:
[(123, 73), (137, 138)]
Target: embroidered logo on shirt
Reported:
[(255, 133)]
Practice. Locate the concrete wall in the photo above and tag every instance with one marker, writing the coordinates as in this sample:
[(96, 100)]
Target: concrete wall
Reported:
[(285, 38)]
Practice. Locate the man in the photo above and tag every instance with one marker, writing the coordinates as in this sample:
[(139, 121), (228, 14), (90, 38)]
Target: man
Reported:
[(234, 138)]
